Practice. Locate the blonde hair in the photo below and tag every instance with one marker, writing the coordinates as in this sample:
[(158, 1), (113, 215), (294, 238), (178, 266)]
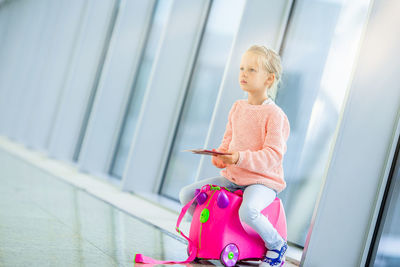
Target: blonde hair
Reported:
[(271, 62)]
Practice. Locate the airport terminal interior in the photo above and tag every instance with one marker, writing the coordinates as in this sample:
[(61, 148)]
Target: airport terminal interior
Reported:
[(100, 101)]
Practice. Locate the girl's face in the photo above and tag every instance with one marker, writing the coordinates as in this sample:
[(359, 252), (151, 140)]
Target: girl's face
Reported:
[(252, 77)]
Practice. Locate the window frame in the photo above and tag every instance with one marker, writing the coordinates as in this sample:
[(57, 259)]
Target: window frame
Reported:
[(363, 112)]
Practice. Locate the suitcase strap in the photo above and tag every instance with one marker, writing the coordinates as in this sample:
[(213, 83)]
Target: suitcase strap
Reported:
[(139, 258)]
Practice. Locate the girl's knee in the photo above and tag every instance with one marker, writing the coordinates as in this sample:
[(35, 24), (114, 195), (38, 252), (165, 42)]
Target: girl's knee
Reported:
[(248, 214), (185, 195), (182, 194)]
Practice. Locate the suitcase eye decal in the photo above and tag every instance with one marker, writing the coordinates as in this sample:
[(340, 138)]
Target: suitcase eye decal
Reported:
[(201, 198), (222, 200)]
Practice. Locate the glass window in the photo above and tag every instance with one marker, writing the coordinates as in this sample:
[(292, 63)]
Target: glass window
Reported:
[(160, 17), (318, 54), (388, 242), (201, 95), (96, 28)]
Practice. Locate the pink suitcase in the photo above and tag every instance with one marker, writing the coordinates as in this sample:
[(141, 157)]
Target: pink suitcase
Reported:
[(216, 231)]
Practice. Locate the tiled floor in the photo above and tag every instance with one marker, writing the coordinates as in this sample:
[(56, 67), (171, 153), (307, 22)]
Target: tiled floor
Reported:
[(45, 221)]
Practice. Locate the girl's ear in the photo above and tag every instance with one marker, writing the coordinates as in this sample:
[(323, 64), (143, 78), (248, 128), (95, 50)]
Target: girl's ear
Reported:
[(269, 79)]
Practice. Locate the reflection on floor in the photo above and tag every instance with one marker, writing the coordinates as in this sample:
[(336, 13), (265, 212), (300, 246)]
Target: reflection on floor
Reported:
[(45, 221)]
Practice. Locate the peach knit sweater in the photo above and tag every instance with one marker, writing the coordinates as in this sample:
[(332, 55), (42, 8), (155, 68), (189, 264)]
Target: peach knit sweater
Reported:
[(259, 133)]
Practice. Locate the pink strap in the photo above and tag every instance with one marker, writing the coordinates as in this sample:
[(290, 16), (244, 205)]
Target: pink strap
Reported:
[(139, 258)]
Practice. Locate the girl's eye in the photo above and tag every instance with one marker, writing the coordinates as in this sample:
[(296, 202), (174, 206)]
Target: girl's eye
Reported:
[(252, 69), (241, 68)]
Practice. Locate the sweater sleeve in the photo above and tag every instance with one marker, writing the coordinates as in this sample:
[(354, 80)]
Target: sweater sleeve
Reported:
[(274, 147), (228, 132)]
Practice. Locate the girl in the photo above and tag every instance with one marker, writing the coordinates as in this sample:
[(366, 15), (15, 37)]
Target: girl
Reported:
[(255, 136)]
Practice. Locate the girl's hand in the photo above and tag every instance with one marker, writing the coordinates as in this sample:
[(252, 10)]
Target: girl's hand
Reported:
[(229, 159), (217, 162)]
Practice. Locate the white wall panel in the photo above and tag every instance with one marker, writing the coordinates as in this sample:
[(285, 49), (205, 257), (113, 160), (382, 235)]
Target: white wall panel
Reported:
[(5, 25), (164, 96), (11, 61), (81, 81), (22, 87), (345, 215), (115, 84), (31, 80), (49, 88)]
